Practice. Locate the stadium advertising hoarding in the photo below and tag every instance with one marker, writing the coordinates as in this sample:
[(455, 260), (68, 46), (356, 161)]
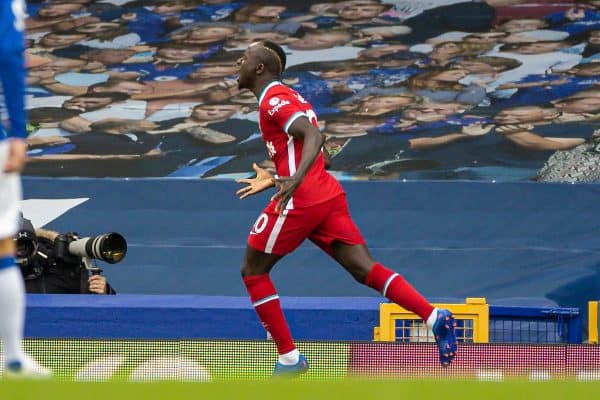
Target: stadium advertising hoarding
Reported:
[(210, 360)]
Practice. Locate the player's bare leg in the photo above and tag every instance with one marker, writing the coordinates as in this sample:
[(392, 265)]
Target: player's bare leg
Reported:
[(255, 273), (358, 262), (12, 313)]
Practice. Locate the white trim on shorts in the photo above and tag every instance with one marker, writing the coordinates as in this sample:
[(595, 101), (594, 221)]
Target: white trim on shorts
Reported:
[(275, 232)]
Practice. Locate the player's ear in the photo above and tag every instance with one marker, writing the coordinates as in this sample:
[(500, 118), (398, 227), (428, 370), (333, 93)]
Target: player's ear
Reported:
[(260, 68)]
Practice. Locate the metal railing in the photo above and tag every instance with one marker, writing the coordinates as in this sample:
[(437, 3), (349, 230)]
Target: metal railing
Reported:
[(479, 322)]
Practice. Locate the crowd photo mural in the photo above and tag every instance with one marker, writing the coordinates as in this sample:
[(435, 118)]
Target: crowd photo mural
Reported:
[(500, 90)]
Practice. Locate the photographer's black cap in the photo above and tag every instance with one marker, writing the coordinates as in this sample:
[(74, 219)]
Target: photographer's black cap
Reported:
[(26, 224)]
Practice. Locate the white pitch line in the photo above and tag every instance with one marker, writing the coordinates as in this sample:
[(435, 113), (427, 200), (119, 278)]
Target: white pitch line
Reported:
[(588, 376), (490, 375), (540, 375)]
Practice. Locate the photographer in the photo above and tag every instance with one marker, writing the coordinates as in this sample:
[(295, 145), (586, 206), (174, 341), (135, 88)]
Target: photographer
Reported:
[(48, 266)]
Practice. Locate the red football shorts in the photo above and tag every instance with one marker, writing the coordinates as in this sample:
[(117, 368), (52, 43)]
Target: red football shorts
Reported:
[(322, 223)]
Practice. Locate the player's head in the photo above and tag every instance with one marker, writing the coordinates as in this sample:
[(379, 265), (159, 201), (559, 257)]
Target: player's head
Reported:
[(261, 60)]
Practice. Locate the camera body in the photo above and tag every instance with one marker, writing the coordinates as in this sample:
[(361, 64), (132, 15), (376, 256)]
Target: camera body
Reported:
[(26, 243), (39, 256), (61, 248)]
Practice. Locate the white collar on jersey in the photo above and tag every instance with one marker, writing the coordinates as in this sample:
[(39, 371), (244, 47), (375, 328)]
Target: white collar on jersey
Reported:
[(265, 89)]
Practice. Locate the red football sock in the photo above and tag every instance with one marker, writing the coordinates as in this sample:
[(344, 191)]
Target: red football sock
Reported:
[(268, 307), (397, 289)]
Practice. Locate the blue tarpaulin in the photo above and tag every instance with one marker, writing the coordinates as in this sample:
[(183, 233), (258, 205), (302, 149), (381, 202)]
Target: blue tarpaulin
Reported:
[(518, 243)]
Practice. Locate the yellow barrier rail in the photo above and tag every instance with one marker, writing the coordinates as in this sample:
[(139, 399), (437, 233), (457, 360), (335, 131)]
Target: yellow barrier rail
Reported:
[(472, 320), (593, 322)]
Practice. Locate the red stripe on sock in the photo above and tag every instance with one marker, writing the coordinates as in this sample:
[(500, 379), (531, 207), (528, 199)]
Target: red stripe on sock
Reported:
[(270, 313), (399, 291)]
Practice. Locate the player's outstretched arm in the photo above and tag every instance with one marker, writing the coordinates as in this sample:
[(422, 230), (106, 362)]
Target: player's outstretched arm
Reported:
[(301, 129), (263, 180)]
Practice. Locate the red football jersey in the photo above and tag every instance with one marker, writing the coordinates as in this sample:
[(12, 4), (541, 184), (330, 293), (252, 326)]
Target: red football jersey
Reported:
[(279, 106)]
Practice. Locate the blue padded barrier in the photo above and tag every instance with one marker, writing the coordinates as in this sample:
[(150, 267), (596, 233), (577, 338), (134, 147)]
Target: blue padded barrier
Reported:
[(180, 316), (228, 317)]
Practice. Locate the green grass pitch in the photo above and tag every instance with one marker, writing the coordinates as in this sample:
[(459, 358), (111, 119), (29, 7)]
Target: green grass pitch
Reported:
[(290, 389)]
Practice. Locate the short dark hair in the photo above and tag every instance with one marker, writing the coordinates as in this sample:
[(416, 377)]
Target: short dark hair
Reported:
[(278, 50)]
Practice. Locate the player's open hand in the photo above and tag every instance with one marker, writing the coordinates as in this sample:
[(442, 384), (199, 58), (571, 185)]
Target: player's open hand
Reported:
[(263, 180), (17, 156), (286, 186)]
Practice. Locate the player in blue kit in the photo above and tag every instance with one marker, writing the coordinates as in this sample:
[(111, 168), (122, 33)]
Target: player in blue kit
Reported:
[(12, 160)]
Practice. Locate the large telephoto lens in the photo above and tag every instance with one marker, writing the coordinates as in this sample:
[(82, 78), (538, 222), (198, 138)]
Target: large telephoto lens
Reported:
[(109, 247)]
